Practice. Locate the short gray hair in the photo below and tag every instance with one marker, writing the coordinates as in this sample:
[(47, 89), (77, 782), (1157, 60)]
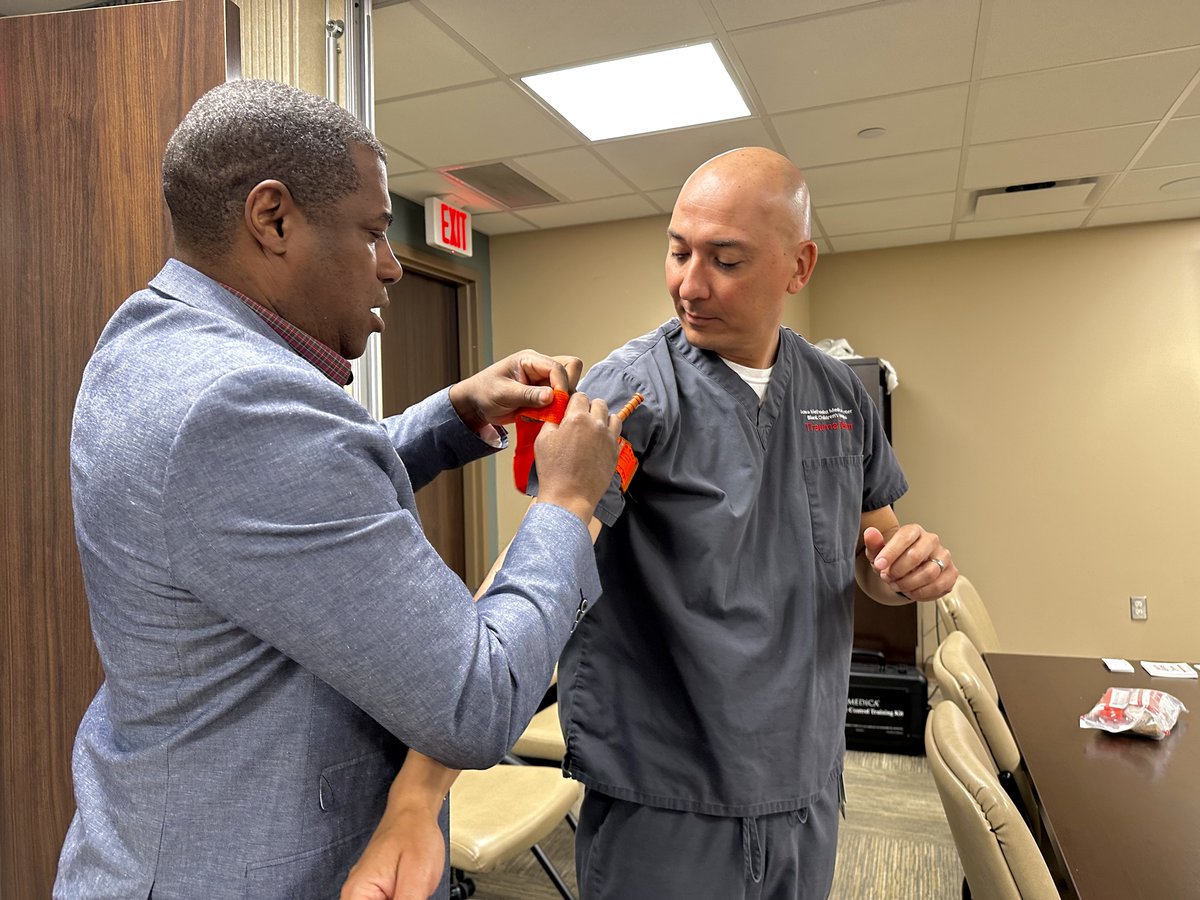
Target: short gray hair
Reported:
[(244, 132)]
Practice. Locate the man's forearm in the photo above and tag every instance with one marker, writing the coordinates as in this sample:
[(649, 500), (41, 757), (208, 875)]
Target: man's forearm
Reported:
[(422, 783)]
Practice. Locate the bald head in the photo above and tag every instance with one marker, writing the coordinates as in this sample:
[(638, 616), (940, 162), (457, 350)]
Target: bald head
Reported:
[(759, 177), (738, 246)]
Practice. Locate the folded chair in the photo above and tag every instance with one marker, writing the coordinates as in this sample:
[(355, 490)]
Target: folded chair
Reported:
[(543, 738), (542, 742), (498, 813), (998, 854)]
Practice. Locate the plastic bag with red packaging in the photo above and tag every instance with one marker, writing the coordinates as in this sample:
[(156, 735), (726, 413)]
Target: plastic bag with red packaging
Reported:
[(1140, 711)]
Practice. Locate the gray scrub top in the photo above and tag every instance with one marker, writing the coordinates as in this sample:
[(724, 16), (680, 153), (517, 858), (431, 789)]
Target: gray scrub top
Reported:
[(713, 678)]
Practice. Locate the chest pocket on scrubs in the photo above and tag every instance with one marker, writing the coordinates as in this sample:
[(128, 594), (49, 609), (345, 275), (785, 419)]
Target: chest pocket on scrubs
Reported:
[(834, 485)]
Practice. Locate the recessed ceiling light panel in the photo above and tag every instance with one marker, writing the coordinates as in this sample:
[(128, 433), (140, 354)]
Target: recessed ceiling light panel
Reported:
[(640, 94)]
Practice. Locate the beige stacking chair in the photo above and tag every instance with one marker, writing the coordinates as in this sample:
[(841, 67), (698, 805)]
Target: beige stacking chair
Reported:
[(499, 813), (543, 738), (998, 854), (964, 679), (542, 742), (962, 610)]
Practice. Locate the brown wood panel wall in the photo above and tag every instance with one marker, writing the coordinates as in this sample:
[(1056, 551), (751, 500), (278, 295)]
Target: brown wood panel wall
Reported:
[(87, 102), (420, 355)]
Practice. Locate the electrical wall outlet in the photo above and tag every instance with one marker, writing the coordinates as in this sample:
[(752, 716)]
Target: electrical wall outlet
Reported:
[(1137, 608)]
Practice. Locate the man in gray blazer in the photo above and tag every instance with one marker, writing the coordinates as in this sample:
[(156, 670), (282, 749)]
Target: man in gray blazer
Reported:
[(275, 629)]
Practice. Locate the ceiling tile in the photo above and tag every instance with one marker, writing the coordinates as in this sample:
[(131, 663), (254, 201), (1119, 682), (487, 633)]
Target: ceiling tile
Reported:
[(930, 234), (1059, 156), (413, 55), (1120, 92), (630, 207), (1143, 186), (822, 247), (664, 199), (468, 125), (500, 223), (886, 215), (1023, 35), (1176, 145), (665, 160), (1147, 212), (574, 174), (522, 36), (929, 120), (897, 176), (1190, 106), (740, 14), (881, 49), (398, 163), (1022, 225)]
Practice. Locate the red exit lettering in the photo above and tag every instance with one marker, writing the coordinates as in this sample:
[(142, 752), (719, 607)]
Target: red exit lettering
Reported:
[(454, 231)]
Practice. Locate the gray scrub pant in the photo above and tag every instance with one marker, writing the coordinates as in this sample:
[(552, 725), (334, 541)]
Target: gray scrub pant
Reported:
[(627, 851)]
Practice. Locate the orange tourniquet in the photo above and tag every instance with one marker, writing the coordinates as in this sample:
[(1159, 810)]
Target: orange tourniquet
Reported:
[(529, 423)]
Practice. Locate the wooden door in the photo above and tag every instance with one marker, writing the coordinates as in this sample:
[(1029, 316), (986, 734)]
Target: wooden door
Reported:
[(87, 102), (420, 355)]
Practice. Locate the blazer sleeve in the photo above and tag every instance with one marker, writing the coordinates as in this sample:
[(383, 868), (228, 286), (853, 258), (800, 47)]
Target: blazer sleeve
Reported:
[(289, 514), (430, 438)]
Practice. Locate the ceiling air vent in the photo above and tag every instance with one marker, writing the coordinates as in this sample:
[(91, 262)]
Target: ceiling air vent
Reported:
[(506, 186), (1032, 199)]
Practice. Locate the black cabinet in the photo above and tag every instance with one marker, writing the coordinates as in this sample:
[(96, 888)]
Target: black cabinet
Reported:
[(891, 630), (872, 374)]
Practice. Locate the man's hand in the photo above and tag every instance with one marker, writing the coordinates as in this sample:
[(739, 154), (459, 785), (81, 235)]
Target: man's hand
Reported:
[(528, 378), (577, 457), (910, 561), (403, 861), (406, 855)]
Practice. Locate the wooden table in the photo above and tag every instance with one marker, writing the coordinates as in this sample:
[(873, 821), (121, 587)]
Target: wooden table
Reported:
[(1122, 812)]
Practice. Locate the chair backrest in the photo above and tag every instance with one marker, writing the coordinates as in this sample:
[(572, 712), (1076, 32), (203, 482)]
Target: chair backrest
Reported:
[(542, 737), (962, 610), (498, 813), (963, 678), (998, 853)]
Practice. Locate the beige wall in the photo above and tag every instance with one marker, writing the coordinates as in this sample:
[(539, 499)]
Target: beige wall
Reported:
[(1048, 420), (1048, 414)]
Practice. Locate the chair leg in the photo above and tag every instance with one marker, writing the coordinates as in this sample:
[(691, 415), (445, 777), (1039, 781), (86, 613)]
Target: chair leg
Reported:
[(572, 822), (552, 873), (461, 885)]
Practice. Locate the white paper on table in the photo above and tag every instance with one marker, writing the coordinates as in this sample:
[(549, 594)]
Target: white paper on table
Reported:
[(1169, 669), (1117, 665)]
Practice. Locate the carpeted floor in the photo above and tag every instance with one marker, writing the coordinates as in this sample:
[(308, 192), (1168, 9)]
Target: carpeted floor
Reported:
[(893, 845)]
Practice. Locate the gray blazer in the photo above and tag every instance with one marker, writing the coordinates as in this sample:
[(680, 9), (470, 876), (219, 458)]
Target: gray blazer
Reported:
[(275, 629)]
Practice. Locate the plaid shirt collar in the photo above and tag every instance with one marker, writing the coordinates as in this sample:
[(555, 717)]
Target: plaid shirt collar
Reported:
[(331, 364)]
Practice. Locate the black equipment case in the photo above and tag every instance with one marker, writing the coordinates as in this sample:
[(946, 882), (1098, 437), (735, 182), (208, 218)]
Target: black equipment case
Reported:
[(886, 709)]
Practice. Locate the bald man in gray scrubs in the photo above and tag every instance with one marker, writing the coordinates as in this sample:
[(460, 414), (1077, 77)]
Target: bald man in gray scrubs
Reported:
[(704, 701)]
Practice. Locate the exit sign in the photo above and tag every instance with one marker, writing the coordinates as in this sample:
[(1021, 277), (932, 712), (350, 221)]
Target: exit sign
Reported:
[(447, 227)]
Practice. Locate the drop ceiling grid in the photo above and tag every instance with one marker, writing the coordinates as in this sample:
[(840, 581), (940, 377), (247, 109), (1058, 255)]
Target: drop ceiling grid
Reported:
[(1056, 106)]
